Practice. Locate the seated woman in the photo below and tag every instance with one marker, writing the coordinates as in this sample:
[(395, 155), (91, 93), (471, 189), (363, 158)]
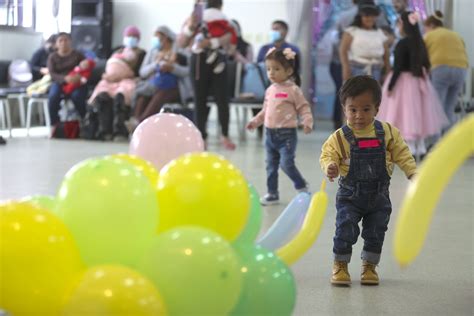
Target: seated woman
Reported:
[(113, 93), (60, 64), (167, 75), (39, 59)]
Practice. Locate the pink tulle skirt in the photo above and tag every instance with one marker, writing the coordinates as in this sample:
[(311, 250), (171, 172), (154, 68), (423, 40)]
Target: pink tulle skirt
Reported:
[(413, 107)]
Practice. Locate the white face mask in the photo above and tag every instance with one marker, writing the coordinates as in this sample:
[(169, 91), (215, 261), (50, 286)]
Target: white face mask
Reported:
[(130, 41)]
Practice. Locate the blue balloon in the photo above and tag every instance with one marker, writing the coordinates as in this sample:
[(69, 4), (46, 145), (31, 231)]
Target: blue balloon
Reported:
[(287, 224)]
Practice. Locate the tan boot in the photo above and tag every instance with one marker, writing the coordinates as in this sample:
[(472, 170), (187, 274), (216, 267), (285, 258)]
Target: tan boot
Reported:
[(369, 276), (340, 273)]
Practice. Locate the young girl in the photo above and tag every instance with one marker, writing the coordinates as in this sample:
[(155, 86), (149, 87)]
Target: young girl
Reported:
[(363, 153), (409, 101), (284, 101)]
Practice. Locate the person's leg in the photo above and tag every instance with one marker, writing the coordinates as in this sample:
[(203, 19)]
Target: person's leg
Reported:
[(336, 74), (140, 106), (457, 76), (287, 141), (121, 113), (441, 82), (79, 97), (200, 72), (220, 90), (160, 98), (272, 161), (54, 102), (374, 226), (104, 104)]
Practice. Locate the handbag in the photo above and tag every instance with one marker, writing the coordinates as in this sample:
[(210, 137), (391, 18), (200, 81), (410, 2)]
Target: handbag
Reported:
[(66, 130)]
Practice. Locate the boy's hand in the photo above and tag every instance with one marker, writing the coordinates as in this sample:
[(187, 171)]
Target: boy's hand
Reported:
[(251, 126), (332, 172), (307, 129)]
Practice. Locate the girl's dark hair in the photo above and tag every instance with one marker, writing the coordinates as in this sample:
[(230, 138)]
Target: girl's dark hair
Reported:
[(242, 45), (358, 21), (358, 85), (418, 54), (435, 20), (278, 56)]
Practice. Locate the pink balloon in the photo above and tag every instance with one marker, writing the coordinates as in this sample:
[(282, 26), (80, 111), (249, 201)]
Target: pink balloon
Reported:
[(164, 137)]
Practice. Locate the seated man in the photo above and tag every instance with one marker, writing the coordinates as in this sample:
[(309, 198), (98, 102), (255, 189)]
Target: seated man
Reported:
[(277, 37)]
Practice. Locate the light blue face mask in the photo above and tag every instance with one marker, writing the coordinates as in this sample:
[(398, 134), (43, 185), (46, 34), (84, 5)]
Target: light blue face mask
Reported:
[(130, 41), (155, 42), (274, 36)]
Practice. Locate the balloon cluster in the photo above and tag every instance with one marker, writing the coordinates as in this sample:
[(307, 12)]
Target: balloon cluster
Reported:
[(122, 237)]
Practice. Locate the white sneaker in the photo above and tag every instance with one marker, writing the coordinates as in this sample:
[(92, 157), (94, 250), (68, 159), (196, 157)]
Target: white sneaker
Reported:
[(269, 199)]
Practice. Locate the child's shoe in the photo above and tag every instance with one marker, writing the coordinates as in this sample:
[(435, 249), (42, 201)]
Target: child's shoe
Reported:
[(340, 273), (212, 57), (304, 190), (219, 68), (369, 276), (269, 199)]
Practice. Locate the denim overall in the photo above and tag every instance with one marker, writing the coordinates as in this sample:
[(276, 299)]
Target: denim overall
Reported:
[(363, 194)]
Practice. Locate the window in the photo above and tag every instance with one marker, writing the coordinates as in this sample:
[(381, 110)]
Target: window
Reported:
[(17, 13), (44, 16)]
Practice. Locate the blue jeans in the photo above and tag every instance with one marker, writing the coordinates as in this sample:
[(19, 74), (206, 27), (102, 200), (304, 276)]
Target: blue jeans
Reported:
[(55, 96), (369, 203), (448, 81), (360, 69), (280, 147)]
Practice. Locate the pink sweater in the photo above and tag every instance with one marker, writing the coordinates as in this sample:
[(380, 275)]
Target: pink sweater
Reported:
[(283, 103)]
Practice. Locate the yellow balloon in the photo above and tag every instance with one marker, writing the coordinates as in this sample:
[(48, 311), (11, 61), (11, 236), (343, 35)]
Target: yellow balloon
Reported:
[(425, 190), (114, 290), (206, 190), (38, 260), (143, 165), (304, 239)]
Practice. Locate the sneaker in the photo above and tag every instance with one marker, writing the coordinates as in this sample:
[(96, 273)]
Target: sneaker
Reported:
[(219, 68), (211, 57), (2, 141), (269, 199), (340, 273), (369, 276), (304, 190), (132, 124)]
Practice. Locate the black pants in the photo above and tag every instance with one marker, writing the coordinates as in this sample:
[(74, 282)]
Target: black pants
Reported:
[(207, 83), (336, 73)]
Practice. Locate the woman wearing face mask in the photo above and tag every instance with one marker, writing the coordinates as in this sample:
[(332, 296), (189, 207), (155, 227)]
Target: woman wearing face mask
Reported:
[(40, 58), (113, 94), (364, 49), (165, 80)]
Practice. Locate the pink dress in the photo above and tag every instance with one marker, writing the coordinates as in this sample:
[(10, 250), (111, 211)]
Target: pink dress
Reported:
[(413, 107)]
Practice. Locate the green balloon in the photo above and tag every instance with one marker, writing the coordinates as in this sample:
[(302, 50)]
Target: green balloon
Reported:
[(195, 270), (268, 288), (110, 208), (254, 222), (44, 201)]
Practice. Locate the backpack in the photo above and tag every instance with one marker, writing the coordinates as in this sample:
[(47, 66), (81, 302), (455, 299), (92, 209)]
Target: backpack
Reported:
[(68, 130), (255, 80)]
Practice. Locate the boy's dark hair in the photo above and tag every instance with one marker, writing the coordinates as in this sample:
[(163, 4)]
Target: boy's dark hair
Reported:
[(419, 60), (358, 85), (283, 24), (435, 20), (214, 4), (63, 34), (278, 56)]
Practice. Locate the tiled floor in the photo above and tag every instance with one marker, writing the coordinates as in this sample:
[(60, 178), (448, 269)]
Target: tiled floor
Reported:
[(440, 282)]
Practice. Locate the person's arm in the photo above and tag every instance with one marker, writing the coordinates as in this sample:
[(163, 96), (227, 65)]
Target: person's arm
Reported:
[(36, 61), (344, 47), (330, 158), (249, 55), (401, 154), (386, 57), (149, 64), (260, 117), (399, 56), (141, 56), (180, 70), (55, 76)]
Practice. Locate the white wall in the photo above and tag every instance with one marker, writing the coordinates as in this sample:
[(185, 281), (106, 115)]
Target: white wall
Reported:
[(254, 16), (18, 45), (463, 23)]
